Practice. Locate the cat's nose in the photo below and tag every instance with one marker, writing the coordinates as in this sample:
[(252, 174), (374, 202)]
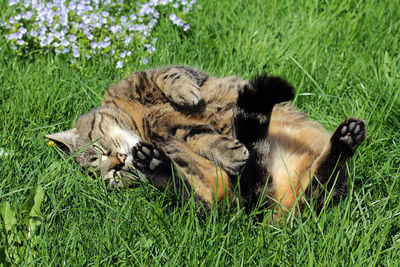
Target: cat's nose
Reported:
[(122, 157)]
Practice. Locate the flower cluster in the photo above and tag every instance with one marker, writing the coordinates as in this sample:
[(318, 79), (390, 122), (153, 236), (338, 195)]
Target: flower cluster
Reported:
[(84, 28)]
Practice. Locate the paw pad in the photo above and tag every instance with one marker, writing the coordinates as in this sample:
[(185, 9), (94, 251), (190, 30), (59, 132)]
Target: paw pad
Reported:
[(349, 135), (147, 158)]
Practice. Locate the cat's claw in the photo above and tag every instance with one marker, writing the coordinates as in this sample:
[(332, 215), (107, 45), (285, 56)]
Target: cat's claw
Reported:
[(349, 135)]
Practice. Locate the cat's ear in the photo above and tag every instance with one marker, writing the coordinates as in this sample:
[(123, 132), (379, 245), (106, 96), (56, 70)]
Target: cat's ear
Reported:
[(64, 140)]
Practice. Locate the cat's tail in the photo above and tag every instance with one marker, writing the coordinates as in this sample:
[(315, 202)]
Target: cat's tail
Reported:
[(250, 124)]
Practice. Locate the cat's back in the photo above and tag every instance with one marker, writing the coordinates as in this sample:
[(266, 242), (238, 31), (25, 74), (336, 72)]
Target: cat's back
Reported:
[(139, 87)]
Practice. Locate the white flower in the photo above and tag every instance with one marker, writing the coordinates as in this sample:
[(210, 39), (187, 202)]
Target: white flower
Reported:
[(89, 36), (84, 28), (72, 38), (21, 42), (128, 40), (75, 53), (28, 15), (120, 64), (12, 2), (3, 153), (33, 33)]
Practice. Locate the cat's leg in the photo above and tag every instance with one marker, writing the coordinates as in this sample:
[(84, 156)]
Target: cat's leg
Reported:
[(330, 167), (250, 126), (181, 85), (225, 152), (189, 174)]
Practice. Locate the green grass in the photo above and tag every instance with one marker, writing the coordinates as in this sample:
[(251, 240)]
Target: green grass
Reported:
[(343, 57)]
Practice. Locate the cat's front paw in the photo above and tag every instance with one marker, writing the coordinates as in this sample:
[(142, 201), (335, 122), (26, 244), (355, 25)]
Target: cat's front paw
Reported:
[(147, 158), (349, 135), (119, 179)]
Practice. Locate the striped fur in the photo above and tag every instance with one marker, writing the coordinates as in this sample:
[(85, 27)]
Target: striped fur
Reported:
[(182, 116)]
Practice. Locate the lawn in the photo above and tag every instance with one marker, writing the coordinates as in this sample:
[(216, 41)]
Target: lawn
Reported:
[(343, 58)]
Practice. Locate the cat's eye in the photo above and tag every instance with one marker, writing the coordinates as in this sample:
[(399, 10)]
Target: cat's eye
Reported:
[(93, 159), (101, 151)]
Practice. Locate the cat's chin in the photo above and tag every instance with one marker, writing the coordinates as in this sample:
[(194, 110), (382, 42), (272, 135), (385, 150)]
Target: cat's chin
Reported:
[(129, 160)]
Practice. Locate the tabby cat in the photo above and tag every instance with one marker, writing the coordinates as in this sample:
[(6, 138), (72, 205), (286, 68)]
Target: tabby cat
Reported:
[(209, 130)]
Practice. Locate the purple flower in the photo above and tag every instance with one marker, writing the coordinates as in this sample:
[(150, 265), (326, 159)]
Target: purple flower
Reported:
[(59, 35), (133, 17), (89, 36), (94, 45), (150, 48), (33, 33), (64, 43), (128, 40), (78, 27), (115, 28), (17, 35), (21, 42), (144, 61), (175, 19), (75, 53), (103, 45), (12, 20), (28, 15), (72, 38)]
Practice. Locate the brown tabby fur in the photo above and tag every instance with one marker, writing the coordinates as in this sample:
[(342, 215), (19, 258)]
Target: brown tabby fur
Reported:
[(188, 116)]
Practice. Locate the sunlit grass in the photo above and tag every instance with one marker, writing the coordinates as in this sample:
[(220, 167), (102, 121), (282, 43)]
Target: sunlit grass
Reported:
[(343, 59)]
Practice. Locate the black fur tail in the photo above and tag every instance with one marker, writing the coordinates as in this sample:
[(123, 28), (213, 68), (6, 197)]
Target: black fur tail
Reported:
[(254, 107), (250, 126)]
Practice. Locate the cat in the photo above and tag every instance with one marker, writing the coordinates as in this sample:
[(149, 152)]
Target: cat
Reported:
[(209, 130)]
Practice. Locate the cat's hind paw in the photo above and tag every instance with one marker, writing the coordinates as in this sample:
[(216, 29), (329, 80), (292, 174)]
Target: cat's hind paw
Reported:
[(185, 95), (349, 135)]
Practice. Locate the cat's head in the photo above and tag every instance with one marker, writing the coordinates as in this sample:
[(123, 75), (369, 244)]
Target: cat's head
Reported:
[(101, 141)]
